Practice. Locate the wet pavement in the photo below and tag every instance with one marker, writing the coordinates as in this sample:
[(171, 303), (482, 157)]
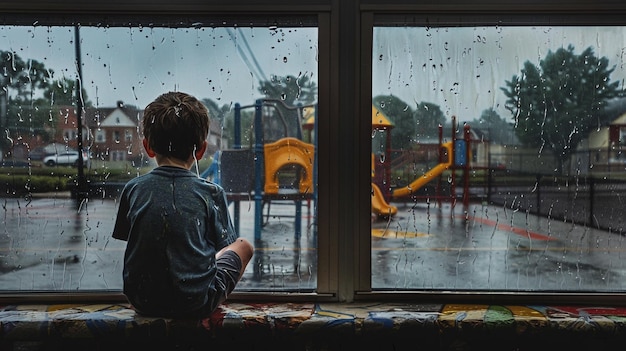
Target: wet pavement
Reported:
[(494, 248), (57, 244)]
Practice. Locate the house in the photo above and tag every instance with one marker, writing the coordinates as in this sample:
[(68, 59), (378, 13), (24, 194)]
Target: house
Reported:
[(63, 135), (108, 133), (216, 142), (113, 132), (605, 147)]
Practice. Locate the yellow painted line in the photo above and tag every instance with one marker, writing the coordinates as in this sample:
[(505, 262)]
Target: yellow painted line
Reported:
[(392, 234)]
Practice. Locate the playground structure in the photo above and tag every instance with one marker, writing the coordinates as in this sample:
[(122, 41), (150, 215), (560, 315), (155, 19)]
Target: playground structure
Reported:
[(280, 166), (452, 155), (277, 166)]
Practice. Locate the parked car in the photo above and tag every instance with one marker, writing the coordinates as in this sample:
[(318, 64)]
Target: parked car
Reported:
[(39, 153), (65, 158)]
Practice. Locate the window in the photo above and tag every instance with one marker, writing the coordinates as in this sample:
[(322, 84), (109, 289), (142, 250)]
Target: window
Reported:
[(233, 69), (69, 134), (363, 86), (485, 168), (100, 136)]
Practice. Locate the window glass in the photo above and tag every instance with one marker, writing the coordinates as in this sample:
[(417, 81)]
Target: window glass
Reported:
[(58, 216), (497, 158)]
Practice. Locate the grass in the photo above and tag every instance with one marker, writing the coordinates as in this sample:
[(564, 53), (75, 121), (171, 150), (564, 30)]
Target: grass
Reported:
[(38, 178)]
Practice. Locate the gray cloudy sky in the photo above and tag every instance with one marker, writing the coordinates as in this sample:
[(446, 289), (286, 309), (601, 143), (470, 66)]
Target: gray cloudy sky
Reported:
[(135, 65), (462, 69)]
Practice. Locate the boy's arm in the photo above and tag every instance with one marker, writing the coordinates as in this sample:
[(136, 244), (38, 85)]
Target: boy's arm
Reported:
[(122, 225), (223, 225)]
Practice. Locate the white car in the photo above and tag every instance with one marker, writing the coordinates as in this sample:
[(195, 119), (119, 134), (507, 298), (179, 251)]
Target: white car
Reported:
[(65, 158)]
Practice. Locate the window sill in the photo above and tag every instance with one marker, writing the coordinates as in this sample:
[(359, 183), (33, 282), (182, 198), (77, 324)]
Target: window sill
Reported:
[(311, 326)]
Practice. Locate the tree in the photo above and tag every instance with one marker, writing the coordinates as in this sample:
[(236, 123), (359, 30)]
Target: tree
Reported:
[(62, 92), (217, 113), (222, 116), (498, 129), (410, 126), (29, 97), (21, 84), (402, 117), (290, 89), (557, 104), (428, 118)]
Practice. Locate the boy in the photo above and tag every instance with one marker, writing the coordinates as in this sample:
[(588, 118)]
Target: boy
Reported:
[(183, 256)]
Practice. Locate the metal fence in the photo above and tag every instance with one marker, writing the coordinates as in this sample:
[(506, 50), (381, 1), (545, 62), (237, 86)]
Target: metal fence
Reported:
[(589, 201), (590, 190)]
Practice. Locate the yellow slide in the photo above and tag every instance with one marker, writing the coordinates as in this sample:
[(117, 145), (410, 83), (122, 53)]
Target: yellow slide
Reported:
[(427, 177), (421, 181), (286, 152), (379, 205)]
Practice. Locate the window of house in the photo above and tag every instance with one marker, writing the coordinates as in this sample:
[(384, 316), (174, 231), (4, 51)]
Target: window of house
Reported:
[(118, 155), (491, 162), (62, 242), (100, 136), (69, 134)]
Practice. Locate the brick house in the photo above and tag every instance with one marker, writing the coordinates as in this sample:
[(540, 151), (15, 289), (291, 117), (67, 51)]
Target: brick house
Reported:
[(63, 136), (109, 133), (114, 134)]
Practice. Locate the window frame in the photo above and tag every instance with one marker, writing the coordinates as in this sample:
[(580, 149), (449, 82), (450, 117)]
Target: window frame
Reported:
[(252, 14), (345, 87), (458, 13)]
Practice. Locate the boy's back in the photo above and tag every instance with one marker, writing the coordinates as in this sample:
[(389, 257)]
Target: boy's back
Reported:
[(177, 227), (183, 256)]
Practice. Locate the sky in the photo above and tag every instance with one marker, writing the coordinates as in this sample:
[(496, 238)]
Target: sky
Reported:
[(135, 65), (463, 69)]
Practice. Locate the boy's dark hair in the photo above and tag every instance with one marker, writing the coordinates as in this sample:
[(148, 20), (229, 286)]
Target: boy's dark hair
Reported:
[(175, 124)]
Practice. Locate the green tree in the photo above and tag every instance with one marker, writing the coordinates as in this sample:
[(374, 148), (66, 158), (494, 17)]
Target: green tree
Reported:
[(218, 113), (21, 85), (498, 129), (428, 118), (62, 92), (290, 89), (557, 104), (29, 97), (402, 117), (283, 119), (222, 116)]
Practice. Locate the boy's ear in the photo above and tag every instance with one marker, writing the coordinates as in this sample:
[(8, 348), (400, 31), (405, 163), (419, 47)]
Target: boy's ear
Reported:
[(201, 150), (148, 149)]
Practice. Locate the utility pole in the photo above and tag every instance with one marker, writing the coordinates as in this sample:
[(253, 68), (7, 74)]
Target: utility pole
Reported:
[(81, 183)]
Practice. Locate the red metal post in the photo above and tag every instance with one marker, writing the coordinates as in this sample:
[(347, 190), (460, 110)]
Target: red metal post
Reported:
[(466, 168), (453, 167), (439, 160)]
